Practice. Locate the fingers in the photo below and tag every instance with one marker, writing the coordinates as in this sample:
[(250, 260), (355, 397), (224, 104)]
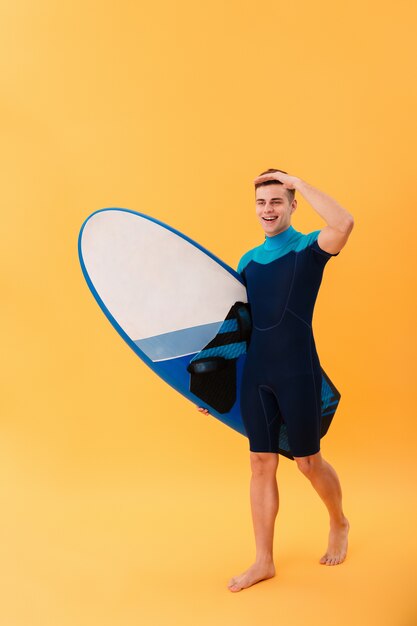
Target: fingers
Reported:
[(205, 411)]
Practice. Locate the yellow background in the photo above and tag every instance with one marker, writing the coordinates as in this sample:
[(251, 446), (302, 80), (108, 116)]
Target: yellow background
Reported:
[(121, 504)]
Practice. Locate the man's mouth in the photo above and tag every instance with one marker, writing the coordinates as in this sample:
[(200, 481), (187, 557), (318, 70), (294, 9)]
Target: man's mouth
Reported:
[(271, 218)]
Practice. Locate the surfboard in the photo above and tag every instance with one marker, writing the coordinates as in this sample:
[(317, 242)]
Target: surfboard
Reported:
[(179, 307)]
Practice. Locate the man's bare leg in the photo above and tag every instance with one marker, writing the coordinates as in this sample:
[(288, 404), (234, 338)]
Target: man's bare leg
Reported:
[(326, 482), (264, 497)]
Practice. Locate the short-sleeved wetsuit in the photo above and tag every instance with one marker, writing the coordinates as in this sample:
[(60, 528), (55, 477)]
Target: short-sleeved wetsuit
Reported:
[(282, 376)]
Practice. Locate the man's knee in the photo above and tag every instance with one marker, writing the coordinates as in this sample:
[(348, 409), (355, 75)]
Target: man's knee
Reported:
[(309, 464), (264, 462)]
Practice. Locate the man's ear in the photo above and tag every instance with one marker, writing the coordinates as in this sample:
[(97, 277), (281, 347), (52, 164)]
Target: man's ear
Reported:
[(293, 205)]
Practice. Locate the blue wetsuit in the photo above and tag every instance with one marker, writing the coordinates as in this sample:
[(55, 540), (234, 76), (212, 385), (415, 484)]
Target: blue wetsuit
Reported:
[(282, 375)]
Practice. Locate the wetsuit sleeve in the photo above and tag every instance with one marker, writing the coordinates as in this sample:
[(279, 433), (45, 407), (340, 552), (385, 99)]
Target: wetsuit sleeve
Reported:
[(320, 256), (241, 269), (242, 275)]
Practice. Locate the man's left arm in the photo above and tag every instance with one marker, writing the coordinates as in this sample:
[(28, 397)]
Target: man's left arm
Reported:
[(340, 222)]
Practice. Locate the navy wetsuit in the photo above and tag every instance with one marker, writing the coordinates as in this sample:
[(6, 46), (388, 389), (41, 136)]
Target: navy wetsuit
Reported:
[(282, 373)]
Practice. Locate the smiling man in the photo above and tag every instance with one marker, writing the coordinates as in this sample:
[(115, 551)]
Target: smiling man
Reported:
[(282, 375)]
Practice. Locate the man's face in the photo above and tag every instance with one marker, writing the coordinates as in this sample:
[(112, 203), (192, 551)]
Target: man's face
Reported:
[(272, 202)]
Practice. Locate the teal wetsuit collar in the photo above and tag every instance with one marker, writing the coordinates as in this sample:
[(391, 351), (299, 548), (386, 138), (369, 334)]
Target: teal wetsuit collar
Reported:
[(281, 239)]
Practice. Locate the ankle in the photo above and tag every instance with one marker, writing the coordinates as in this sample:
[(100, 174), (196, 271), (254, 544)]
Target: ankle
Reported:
[(339, 522), (264, 559)]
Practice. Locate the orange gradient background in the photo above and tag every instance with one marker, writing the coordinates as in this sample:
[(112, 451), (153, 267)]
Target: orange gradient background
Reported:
[(121, 503)]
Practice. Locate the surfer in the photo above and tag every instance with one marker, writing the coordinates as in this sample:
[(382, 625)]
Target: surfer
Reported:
[(282, 374)]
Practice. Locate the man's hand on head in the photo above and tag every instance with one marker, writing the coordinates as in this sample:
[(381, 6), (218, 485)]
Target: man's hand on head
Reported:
[(289, 182)]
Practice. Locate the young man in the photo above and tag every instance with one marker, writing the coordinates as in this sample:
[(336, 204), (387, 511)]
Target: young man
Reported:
[(282, 374)]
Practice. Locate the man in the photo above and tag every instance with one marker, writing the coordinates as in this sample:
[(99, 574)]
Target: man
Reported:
[(282, 374)]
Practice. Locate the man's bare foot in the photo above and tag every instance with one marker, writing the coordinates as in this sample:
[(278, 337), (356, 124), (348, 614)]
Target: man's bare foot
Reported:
[(338, 543), (256, 573)]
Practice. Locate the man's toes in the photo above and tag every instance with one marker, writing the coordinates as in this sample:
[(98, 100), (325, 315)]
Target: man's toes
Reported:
[(234, 584), (332, 560)]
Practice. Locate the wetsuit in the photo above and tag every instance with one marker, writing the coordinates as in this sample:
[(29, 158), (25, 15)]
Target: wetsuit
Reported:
[(282, 377)]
